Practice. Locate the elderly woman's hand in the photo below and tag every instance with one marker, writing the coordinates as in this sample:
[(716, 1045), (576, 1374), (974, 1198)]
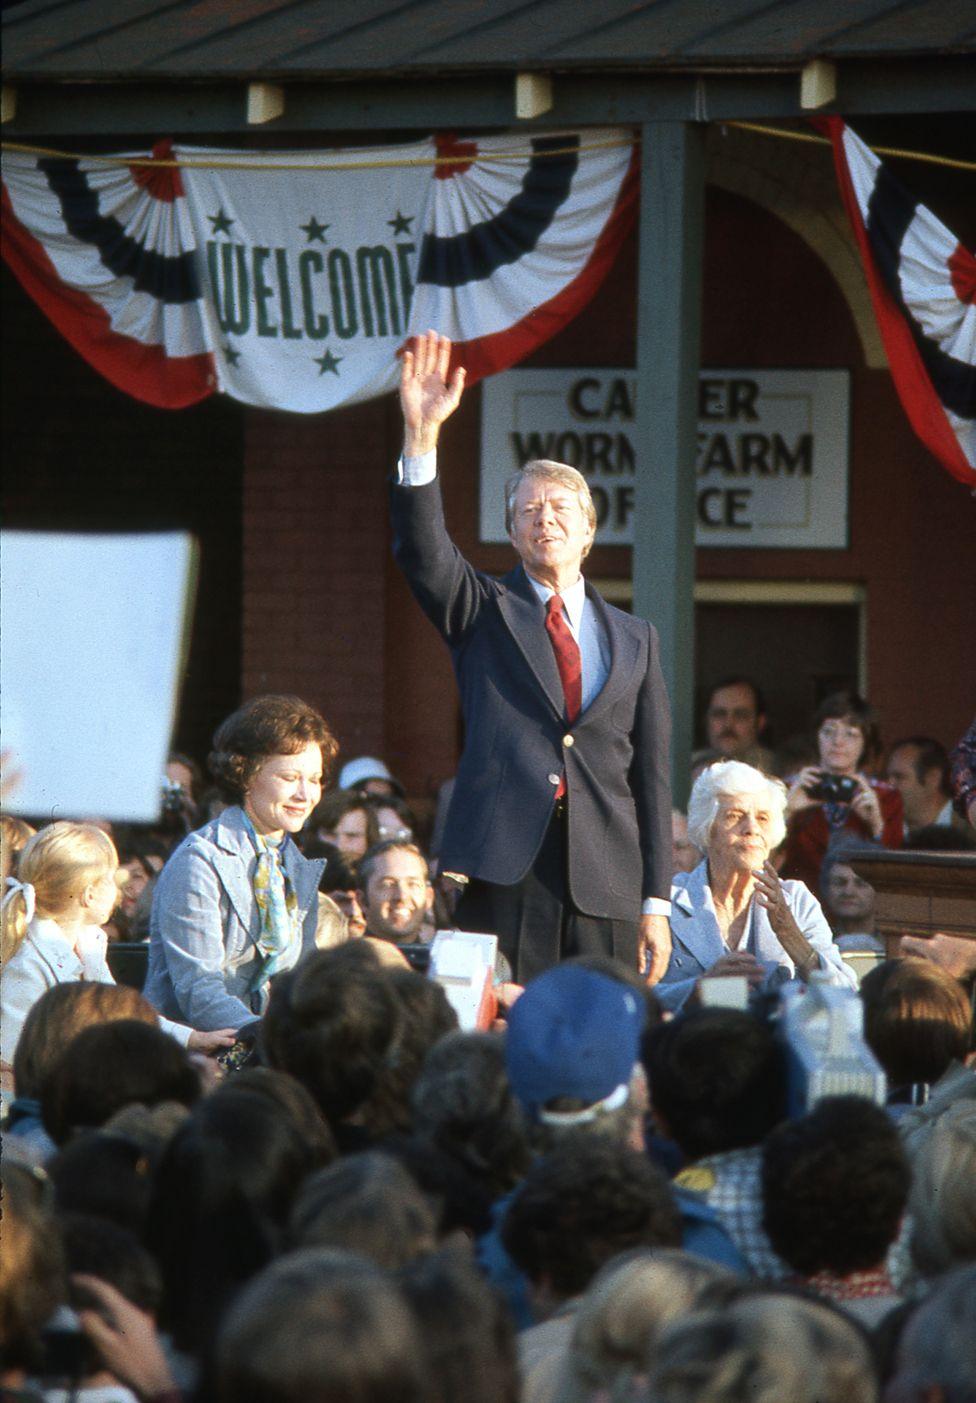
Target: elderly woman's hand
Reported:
[(770, 895), (738, 962)]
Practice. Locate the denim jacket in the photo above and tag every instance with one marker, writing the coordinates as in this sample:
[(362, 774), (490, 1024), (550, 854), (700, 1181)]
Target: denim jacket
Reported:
[(204, 961)]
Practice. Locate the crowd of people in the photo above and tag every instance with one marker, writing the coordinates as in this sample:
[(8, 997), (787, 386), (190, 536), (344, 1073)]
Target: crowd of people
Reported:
[(268, 1164), (266, 1136)]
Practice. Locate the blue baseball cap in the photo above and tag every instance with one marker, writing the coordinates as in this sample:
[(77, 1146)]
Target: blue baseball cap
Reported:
[(573, 1033)]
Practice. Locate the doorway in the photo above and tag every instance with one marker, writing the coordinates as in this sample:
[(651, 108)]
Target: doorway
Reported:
[(799, 642)]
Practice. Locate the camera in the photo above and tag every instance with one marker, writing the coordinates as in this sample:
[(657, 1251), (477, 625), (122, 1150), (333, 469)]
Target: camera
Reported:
[(243, 1051), (417, 955), (172, 797), (177, 814), (67, 1353), (834, 789)]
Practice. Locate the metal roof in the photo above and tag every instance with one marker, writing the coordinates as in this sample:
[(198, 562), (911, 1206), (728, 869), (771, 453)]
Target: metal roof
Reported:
[(303, 39)]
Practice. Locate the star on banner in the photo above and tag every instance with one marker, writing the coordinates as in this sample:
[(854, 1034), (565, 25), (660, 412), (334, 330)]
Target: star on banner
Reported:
[(220, 221), (314, 230), (230, 355), (400, 223), (327, 361)]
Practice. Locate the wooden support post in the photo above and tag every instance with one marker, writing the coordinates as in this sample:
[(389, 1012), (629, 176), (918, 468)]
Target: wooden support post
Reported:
[(533, 95), (265, 102), (668, 341), (818, 84)]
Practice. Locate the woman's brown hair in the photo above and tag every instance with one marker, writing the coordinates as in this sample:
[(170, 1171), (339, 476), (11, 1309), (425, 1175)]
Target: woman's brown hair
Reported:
[(270, 725)]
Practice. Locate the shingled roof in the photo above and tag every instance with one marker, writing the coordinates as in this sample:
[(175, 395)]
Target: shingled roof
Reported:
[(76, 40)]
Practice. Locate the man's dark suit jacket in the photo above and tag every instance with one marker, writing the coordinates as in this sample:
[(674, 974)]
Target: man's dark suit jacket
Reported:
[(517, 740)]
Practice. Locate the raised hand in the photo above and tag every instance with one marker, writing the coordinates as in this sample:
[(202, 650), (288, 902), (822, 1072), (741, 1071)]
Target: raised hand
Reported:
[(771, 895), (126, 1339), (427, 397), (956, 954)]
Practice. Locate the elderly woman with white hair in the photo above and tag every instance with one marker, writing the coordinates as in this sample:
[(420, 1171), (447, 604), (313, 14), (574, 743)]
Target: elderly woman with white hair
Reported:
[(733, 915)]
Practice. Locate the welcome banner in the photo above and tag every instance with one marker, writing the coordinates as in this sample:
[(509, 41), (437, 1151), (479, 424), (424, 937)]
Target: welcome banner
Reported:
[(291, 279)]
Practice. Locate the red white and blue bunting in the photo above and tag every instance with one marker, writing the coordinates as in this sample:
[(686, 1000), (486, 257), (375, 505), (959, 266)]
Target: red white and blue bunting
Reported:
[(291, 279), (923, 287)]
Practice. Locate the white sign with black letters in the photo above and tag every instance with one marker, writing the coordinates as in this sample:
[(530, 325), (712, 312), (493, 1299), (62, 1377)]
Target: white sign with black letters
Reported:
[(772, 454)]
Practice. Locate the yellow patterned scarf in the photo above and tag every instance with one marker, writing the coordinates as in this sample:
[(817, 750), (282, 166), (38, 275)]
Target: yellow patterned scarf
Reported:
[(277, 905)]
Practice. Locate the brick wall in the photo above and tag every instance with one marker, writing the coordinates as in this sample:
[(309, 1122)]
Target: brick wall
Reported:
[(315, 542)]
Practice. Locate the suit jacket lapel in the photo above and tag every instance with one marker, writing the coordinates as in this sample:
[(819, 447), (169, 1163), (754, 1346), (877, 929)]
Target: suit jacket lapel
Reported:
[(525, 617), (623, 656), (304, 875)]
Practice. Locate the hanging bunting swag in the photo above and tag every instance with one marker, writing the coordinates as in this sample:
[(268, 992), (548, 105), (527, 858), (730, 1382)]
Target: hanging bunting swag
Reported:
[(290, 286), (923, 286)]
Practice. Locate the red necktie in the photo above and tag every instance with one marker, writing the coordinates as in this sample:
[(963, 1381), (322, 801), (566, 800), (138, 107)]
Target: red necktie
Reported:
[(568, 661), (567, 653)]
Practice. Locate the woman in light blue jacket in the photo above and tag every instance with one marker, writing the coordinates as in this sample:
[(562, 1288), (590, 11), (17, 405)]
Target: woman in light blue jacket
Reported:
[(237, 902), (733, 915)]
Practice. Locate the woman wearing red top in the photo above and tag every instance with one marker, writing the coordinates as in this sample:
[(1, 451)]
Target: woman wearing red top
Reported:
[(835, 795)]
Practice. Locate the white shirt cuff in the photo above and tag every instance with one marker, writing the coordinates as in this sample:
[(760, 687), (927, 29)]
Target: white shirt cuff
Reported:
[(417, 472), (655, 906), (179, 1031)]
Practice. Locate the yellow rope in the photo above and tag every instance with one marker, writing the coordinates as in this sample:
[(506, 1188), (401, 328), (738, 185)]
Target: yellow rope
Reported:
[(779, 131), (928, 157), (189, 163)]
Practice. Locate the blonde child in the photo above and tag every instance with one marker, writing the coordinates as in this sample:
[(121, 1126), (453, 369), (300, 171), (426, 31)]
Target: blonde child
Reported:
[(14, 833), (52, 915)]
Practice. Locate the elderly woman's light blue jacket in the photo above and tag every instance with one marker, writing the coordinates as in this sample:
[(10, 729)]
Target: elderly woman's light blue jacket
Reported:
[(204, 961), (697, 941)]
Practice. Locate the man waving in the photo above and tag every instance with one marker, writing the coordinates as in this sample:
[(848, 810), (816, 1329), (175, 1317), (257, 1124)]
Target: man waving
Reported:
[(561, 814)]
